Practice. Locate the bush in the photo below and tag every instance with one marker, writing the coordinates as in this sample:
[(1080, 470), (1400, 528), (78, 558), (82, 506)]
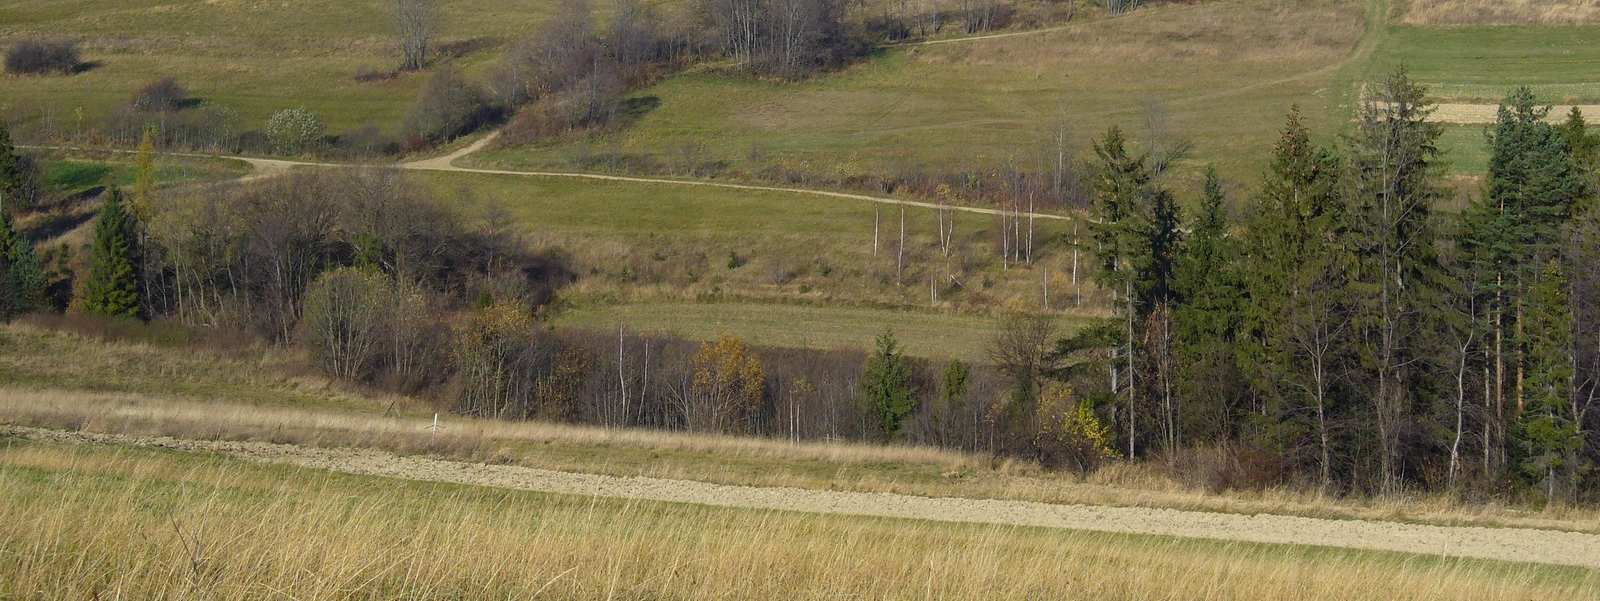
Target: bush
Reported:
[(163, 96), (34, 57), (293, 131), (343, 323), (446, 107), (1067, 433)]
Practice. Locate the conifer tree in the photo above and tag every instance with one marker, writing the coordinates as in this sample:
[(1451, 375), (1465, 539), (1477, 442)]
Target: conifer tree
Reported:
[(1391, 187), (21, 273), (886, 386), (112, 285), (1208, 317), (1548, 438), (14, 175)]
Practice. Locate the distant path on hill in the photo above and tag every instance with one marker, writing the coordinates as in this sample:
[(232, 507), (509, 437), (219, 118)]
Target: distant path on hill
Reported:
[(264, 168), (1505, 544)]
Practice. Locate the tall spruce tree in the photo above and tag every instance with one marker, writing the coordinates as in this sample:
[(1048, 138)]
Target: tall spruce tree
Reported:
[(112, 285), (1548, 439), (1208, 318), (14, 175), (1293, 229), (1139, 236), (1391, 187)]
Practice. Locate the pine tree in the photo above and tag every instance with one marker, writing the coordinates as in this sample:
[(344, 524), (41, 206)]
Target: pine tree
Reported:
[(112, 285), (886, 386), (1548, 439)]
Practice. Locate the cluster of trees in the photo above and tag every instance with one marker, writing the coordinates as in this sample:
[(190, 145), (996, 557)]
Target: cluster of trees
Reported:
[(1346, 329), (784, 38)]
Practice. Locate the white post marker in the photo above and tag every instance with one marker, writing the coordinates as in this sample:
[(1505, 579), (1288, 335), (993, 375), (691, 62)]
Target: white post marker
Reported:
[(435, 427)]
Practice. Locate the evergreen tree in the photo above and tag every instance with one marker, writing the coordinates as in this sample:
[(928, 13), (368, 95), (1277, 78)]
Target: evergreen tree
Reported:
[(886, 386), (1548, 438), (1510, 233), (1584, 145), (112, 285), (1208, 317), (1138, 240), (1392, 185), (15, 176), (20, 272), (1291, 257)]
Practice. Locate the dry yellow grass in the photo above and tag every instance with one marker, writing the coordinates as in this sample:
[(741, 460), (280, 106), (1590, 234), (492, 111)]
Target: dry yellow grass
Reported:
[(726, 460), (90, 522), (1501, 12)]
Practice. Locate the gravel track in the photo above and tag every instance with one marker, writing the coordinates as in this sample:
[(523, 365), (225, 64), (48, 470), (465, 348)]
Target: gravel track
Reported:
[(1506, 544)]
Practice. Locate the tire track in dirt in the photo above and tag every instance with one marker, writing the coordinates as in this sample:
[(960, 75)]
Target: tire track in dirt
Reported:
[(1504, 544)]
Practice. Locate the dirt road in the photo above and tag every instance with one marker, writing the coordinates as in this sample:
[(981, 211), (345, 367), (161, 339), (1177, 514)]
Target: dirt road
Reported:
[(1508, 544), (1476, 114)]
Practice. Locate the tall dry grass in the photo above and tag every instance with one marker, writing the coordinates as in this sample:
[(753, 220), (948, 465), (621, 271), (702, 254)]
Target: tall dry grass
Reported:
[(1500, 12), (727, 460), (88, 522)]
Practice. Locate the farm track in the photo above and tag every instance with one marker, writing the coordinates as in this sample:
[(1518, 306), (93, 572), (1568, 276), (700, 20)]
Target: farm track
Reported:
[(1504, 544)]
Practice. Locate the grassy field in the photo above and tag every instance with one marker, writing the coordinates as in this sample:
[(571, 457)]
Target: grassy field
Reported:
[(107, 522), (923, 334), (1226, 72), (252, 57), (74, 172), (661, 243), (1481, 64)]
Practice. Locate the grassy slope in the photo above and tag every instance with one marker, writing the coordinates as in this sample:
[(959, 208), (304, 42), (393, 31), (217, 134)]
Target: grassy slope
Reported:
[(923, 334), (210, 527), (73, 172), (1226, 71), (656, 248), (253, 57)]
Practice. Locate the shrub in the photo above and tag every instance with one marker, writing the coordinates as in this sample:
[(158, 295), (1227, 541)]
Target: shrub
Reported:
[(293, 131), (35, 57), (1067, 433), (163, 96), (728, 390), (446, 107), (343, 323)]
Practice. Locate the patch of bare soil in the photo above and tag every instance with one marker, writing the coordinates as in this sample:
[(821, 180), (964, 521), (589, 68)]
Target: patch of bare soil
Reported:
[(1506, 544)]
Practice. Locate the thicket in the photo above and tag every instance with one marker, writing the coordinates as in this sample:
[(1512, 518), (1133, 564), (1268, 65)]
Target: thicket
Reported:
[(43, 57)]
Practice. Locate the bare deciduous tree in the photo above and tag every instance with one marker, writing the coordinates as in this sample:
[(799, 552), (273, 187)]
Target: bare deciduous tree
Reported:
[(416, 22)]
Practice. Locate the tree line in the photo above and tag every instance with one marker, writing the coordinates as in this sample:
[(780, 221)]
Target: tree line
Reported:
[(1346, 329)]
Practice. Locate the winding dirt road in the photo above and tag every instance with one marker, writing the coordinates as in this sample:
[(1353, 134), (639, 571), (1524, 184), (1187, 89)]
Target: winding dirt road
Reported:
[(1506, 544)]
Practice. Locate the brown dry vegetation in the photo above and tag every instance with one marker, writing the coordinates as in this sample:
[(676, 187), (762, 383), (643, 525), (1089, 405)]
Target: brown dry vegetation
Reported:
[(725, 459), (1500, 12), (92, 522)]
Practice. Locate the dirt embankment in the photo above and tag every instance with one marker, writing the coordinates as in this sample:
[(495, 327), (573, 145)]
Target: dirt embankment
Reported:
[(1507, 544)]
